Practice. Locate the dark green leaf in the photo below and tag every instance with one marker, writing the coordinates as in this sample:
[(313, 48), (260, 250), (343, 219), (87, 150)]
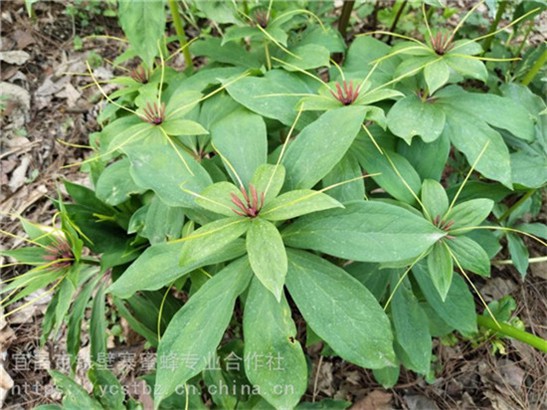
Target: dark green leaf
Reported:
[(186, 335), (269, 331), (340, 310), (321, 145), (267, 255), (364, 231)]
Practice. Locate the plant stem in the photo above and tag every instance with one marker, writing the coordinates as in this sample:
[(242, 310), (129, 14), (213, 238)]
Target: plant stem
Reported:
[(525, 39), (268, 59), (538, 259), (510, 331), (344, 17), (494, 26), (396, 20), (540, 62), (90, 261), (177, 21), (522, 200)]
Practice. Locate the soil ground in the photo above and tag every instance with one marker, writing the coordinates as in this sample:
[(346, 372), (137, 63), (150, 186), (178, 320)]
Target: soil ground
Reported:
[(53, 111)]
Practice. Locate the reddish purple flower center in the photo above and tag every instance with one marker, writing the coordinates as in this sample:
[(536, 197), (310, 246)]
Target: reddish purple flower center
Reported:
[(345, 93), (252, 204)]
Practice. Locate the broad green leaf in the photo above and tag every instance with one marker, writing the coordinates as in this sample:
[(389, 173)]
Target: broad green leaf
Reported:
[(411, 116), (470, 255), (376, 162), (182, 101), (471, 137), (143, 22), (340, 310), (519, 253), (296, 203), (411, 328), (267, 255), (347, 169), (183, 127), (501, 112), (161, 222), (162, 166), (467, 66), (230, 53), (465, 46), (307, 57), (187, 336), (74, 395), (458, 309), (115, 184), (361, 56), (364, 231), (469, 213), (319, 146), (428, 159), (273, 95), (436, 75), (217, 198), (269, 179), (434, 198), (441, 268), (158, 266), (241, 140), (529, 170), (211, 238), (59, 309), (107, 388), (387, 376), (269, 331)]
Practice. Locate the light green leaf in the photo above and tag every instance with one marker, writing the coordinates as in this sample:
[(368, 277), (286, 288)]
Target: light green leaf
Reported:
[(269, 331), (428, 159), (501, 112), (411, 328), (267, 255), (411, 116), (217, 198), (519, 253), (273, 95), (467, 66), (436, 75), (364, 231), (340, 310), (269, 179), (186, 335), (470, 136), (458, 309), (75, 396), (376, 162), (319, 146), (434, 198), (469, 213), (296, 203), (143, 22), (441, 268), (347, 169), (158, 266), (183, 127), (115, 184), (165, 168), (241, 139), (307, 57), (211, 238), (470, 255)]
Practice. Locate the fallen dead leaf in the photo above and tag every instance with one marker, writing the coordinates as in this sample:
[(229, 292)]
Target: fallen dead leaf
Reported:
[(18, 176), (419, 402), (376, 400), (17, 57)]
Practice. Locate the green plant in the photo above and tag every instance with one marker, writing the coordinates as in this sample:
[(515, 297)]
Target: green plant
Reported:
[(275, 182)]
